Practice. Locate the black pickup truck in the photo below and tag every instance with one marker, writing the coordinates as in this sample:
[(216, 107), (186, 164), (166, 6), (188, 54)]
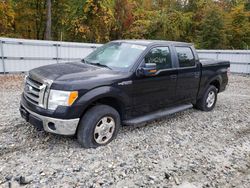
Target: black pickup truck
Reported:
[(124, 82)]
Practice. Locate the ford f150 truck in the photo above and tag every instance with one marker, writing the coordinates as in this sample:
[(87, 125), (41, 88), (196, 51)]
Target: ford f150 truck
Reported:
[(123, 82)]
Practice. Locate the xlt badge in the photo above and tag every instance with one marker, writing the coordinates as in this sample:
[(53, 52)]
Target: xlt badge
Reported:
[(125, 83)]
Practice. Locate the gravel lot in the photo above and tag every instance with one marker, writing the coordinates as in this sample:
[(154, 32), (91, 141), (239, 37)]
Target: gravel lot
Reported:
[(189, 149)]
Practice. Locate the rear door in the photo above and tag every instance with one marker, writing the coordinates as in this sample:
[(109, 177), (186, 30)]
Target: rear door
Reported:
[(188, 74), (157, 91)]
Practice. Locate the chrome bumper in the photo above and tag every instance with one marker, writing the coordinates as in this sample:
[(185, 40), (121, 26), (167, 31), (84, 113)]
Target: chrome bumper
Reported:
[(56, 126)]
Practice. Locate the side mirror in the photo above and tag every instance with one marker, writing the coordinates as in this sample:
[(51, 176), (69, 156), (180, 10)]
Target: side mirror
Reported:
[(148, 69)]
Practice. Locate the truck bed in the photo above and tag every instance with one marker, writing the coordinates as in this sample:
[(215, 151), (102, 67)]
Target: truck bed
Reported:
[(212, 62)]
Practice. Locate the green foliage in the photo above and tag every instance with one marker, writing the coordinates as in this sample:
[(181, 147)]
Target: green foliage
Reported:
[(60, 18), (208, 24), (212, 34)]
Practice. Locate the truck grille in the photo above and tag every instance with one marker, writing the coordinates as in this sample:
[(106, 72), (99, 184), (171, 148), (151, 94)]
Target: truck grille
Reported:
[(34, 92)]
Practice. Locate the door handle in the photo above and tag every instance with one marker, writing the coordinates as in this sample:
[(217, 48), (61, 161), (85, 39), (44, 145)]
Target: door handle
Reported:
[(173, 76)]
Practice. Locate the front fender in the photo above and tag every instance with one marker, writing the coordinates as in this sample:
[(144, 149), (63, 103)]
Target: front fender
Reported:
[(102, 92)]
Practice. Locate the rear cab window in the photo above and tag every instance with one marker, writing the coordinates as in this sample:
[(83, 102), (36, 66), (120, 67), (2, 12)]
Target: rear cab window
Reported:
[(185, 56)]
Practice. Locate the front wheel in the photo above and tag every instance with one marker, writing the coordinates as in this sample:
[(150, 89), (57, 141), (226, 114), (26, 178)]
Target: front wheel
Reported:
[(98, 127), (208, 101)]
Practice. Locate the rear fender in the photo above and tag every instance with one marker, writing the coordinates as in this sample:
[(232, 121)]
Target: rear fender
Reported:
[(217, 78)]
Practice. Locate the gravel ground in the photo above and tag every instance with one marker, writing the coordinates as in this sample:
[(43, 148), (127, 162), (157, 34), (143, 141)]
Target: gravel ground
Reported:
[(189, 149)]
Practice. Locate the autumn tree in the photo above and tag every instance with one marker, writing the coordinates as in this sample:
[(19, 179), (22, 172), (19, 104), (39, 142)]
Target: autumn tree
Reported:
[(6, 18), (206, 23), (95, 21), (238, 28), (159, 20), (144, 19), (123, 17)]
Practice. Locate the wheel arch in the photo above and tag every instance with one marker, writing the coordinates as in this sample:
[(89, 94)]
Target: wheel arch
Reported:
[(111, 96), (216, 83), (107, 100)]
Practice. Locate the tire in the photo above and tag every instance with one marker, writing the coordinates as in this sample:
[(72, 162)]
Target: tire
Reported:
[(208, 100), (98, 127)]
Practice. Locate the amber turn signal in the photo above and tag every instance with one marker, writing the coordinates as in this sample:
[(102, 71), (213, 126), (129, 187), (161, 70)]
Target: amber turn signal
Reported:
[(152, 71), (72, 97)]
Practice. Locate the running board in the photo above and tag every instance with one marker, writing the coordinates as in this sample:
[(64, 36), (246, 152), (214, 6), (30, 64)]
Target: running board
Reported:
[(157, 114)]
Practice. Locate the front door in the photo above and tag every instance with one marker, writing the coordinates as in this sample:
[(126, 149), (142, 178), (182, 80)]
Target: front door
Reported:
[(151, 93)]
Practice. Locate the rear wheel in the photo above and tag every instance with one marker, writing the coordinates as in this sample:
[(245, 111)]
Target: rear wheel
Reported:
[(98, 127), (208, 101)]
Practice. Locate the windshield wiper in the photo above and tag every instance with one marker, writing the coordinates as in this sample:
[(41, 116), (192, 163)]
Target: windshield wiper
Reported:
[(96, 64), (99, 64)]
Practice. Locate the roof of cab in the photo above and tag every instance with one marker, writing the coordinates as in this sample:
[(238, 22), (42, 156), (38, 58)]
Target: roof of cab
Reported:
[(154, 42)]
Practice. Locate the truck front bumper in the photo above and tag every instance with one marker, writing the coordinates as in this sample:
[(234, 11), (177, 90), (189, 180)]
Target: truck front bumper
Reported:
[(49, 124)]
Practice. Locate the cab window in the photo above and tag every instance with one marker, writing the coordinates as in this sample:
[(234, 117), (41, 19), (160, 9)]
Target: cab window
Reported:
[(185, 57), (161, 56)]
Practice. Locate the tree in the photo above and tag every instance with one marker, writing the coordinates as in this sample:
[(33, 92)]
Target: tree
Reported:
[(143, 22), (29, 19), (207, 23), (48, 21), (159, 20), (95, 22), (247, 6), (172, 25), (61, 18), (123, 17), (238, 28), (212, 34), (6, 18)]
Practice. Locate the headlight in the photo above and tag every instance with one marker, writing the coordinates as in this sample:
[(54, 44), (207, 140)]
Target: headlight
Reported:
[(62, 98)]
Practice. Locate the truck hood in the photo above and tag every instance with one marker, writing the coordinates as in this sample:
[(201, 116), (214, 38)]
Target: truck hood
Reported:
[(64, 71), (76, 75)]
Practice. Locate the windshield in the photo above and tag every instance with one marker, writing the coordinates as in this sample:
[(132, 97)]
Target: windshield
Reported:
[(116, 55)]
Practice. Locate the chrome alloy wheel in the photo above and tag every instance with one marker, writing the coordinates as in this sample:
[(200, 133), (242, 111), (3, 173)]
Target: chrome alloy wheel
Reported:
[(210, 99), (104, 130)]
